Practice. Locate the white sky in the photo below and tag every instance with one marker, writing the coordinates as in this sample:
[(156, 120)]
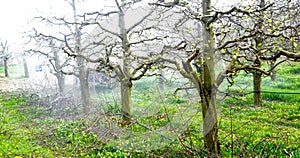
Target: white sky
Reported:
[(15, 15)]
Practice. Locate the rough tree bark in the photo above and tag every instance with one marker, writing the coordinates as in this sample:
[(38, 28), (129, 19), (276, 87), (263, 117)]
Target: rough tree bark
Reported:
[(273, 71), (5, 57), (126, 86), (25, 66), (61, 83), (161, 83), (206, 64), (6, 67), (257, 86), (59, 75), (125, 78), (207, 93), (257, 76), (83, 72), (84, 89)]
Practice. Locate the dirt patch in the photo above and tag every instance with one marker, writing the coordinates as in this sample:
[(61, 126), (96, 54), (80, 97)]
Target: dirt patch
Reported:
[(7, 84)]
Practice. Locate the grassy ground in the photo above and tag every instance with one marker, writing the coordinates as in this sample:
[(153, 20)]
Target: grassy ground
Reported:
[(13, 71), (166, 125)]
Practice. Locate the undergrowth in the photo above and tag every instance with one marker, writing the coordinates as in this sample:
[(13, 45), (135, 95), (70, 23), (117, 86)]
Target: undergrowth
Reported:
[(173, 123)]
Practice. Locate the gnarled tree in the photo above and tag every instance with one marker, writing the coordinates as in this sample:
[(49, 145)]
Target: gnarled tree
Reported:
[(236, 35), (69, 38), (123, 44), (5, 55)]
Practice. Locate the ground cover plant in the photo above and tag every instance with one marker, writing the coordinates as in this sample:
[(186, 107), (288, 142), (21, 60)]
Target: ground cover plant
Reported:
[(30, 126)]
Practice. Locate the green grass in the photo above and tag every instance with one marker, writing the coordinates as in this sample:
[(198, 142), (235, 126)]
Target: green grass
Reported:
[(23, 133), (17, 137), (13, 70), (28, 129), (289, 69), (268, 130)]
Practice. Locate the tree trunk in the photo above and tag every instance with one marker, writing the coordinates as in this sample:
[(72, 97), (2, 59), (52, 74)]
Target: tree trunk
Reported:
[(126, 102), (83, 72), (84, 90), (209, 114), (210, 128), (61, 83), (208, 93), (257, 82), (126, 82), (273, 72), (6, 68), (257, 76), (59, 75), (25, 66), (161, 80), (209, 111)]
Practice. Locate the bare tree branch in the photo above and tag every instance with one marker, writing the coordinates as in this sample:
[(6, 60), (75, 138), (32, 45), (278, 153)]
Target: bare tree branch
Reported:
[(281, 53)]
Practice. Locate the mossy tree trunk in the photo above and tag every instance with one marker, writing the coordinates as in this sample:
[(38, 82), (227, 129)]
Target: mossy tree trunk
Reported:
[(126, 101), (208, 93), (257, 76), (208, 100), (257, 85)]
